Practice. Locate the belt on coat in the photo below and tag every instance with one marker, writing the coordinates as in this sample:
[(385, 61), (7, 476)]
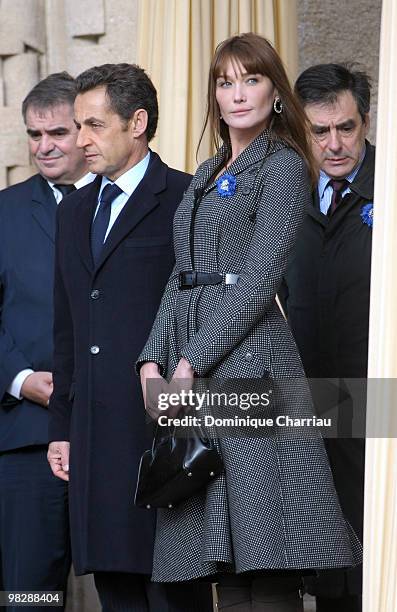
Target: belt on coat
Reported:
[(191, 278)]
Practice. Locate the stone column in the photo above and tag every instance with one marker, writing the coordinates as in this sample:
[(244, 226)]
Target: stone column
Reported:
[(38, 37), (22, 43), (380, 525)]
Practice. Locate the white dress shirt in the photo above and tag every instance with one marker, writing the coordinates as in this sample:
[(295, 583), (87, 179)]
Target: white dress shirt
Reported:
[(87, 178), (128, 182), (324, 187)]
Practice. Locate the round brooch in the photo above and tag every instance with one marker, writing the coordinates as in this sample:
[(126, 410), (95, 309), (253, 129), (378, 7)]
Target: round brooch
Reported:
[(367, 214), (226, 185)]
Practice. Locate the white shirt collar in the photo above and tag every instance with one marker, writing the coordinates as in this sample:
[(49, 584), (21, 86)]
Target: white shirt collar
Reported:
[(87, 178), (130, 180), (324, 179)]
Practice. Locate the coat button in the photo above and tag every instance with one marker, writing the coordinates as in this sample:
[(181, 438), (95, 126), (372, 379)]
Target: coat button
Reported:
[(95, 294), (246, 190), (94, 350), (249, 356)]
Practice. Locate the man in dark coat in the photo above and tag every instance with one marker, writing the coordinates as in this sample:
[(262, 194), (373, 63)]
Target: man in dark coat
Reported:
[(114, 256), (327, 289), (34, 531)]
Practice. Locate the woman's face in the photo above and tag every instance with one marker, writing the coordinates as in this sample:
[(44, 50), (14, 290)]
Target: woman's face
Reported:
[(245, 100)]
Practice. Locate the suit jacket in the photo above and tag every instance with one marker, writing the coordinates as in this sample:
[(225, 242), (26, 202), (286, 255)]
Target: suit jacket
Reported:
[(103, 316), (27, 235), (275, 507)]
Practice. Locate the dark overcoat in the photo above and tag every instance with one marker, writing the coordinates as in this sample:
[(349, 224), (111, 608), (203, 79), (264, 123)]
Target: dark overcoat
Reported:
[(27, 249), (328, 283), (326, 293), (275, 506), (102, 318)]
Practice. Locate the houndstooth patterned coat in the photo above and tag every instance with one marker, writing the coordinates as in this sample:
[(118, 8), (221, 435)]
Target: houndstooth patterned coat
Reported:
[(275, 507)]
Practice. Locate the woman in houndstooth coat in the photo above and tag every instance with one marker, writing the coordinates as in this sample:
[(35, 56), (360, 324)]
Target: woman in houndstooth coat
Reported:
[(275, 508)]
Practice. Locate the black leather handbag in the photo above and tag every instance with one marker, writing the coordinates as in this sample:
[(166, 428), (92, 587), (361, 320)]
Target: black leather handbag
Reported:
[(176, 467)]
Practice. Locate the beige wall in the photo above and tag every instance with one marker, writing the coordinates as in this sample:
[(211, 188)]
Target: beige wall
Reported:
[(38, 37), (341, 31)]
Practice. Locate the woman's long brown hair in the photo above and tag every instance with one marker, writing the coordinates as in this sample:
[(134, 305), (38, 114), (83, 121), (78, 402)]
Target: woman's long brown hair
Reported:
[(258, 56)]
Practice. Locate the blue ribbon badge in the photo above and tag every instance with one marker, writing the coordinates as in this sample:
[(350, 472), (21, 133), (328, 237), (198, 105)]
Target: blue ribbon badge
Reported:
[(226, 185), (367, 214)]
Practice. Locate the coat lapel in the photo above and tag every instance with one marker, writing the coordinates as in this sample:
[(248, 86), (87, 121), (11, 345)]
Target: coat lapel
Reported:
[(141, 203), (44, 207), (202, 180), (84, 215), (361, 189), (313, 210), (255, 153)]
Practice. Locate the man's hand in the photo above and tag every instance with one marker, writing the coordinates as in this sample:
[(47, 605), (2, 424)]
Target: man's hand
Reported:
[(37, 387), (58, 458)]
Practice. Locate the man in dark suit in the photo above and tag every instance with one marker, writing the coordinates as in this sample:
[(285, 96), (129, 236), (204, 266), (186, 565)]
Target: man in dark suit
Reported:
[(114, 256), (327, 289), (34, 533)]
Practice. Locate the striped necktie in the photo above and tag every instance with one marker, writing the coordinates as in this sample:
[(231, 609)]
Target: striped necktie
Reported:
[(338, 188)]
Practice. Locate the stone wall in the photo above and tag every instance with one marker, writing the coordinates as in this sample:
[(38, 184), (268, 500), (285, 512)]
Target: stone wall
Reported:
[(38, 37), (22, 45), (341, 31)]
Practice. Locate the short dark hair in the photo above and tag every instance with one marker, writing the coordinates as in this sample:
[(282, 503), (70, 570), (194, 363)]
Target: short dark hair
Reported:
[(322, 84), (57, 88), (128, 88)]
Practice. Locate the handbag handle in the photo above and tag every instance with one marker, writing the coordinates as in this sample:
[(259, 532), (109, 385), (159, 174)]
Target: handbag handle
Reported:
[(171, 434), (157, 436)]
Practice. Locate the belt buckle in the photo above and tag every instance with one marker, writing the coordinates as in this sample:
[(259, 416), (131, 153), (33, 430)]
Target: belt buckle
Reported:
[(231, 279), (187, 280)]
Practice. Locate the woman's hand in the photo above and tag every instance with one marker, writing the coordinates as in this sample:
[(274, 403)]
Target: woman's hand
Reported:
[(151, 390), (182, 380), (153, 384), (183, 370)]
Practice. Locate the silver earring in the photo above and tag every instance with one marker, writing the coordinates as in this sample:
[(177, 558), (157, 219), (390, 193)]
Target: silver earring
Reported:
[(278, 105)]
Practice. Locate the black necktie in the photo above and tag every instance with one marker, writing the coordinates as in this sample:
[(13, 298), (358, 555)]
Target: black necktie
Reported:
[(65, 189), (337, 189), (102, 218)]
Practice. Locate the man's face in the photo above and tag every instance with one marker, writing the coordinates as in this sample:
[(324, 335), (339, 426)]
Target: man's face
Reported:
[(338, 134), (109, 144), (52, 138)]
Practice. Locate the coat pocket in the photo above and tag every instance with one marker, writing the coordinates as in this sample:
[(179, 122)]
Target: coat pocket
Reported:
[(246, 361), (147, 241)]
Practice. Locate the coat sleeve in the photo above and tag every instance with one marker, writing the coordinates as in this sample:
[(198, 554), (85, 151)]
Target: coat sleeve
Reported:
[(61, 402), (12, 359), (285, 191)]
